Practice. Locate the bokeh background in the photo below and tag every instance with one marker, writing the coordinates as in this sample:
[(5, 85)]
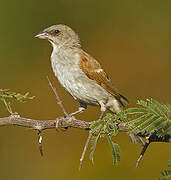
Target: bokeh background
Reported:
[(132, 41)]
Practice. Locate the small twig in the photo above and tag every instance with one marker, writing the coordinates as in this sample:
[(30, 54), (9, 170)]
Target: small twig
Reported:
[(9, 109), (58, 98), (152, 138), (142, 153), (85, 149), (40, 142)]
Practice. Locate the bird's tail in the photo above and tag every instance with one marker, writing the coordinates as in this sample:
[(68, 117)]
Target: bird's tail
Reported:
[(118, 103), (123, 100)]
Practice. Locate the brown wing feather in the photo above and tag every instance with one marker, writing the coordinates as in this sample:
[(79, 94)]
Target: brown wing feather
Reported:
[(95, 72)]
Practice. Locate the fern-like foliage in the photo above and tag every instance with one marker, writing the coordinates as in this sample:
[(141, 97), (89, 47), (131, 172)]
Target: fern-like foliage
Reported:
[(166, 174), (115, 150), (149, 117), (6, 96), (105, 128)]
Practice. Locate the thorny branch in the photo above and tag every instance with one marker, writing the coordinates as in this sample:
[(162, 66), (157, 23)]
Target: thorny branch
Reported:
[(63, 122), (40, 125), (152, 138), (71, 122)]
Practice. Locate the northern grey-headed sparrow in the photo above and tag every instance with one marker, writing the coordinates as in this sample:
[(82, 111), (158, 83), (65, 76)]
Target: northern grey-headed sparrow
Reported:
[(79, 73)]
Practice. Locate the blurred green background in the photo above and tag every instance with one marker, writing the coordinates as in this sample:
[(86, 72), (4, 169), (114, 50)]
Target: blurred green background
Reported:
[(132, 41)]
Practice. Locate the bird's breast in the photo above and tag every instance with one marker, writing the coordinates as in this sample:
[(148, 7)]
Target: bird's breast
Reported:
[(67, 71), (75, 81)]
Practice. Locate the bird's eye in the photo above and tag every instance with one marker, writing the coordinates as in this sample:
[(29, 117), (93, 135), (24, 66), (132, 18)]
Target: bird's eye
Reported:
[(57, 31)]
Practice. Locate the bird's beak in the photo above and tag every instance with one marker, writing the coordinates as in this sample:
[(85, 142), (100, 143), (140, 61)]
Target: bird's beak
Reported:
[(42, 35)]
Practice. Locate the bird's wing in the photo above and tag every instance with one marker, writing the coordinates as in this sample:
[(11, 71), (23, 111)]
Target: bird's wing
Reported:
[(95, 72)]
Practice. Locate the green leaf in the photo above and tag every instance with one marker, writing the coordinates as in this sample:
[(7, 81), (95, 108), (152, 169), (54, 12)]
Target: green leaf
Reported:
[(94, 140), (151, 123), (142, 103), (6, 96), (135, 110), (169, 163), (160, 108), (166, 173), (139, 124), (112, 129), (151, 116), (115, 150), (107, 127), (137, 118), (164, 178), (96, 124)]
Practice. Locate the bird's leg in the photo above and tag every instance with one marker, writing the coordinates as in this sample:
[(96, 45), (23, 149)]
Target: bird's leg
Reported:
[(82, 108), (101, 115), (103, 109)]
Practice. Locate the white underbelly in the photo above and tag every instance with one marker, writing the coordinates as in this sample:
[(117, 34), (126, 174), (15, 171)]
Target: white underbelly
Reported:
[(78, 84)]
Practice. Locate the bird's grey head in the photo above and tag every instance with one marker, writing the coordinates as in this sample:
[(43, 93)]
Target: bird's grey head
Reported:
[(60, 35)]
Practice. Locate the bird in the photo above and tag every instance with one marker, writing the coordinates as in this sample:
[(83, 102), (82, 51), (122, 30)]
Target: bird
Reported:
[(79, 73)]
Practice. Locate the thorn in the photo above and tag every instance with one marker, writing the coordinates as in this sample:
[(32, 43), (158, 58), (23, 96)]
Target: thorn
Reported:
[(59, 102), (80, 165), (40, 143), (92, 161), (138, 160), (57, 124), (142, 152), (84, 150)]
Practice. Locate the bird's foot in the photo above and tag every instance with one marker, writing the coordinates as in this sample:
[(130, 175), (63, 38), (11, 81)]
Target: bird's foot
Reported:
[(80, 110)]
